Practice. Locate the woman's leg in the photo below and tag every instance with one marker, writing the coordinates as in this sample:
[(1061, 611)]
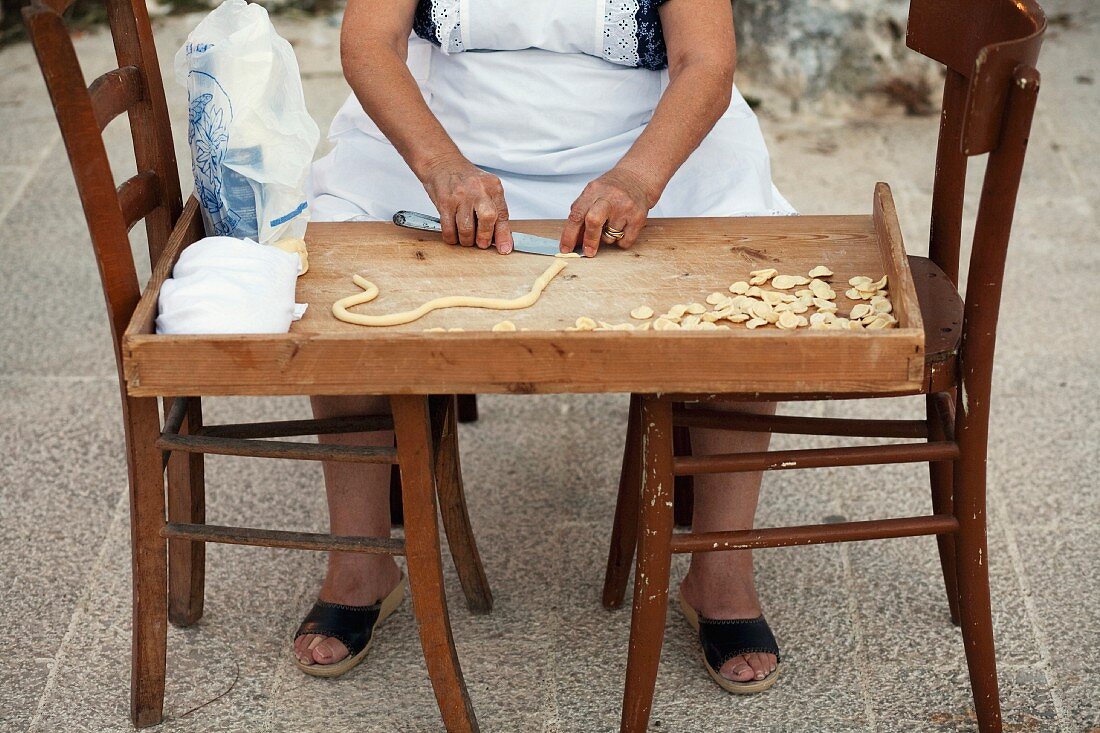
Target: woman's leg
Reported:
[(358, 504), (720, 585)]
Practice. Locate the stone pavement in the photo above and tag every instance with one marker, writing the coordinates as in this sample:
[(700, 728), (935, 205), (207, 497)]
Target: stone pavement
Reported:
[(864, 627)]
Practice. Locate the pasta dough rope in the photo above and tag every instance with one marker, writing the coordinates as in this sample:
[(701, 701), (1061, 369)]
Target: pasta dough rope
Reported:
[(370, 292)]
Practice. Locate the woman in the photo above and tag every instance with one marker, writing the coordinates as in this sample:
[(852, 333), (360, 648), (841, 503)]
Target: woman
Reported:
[(598, 111)]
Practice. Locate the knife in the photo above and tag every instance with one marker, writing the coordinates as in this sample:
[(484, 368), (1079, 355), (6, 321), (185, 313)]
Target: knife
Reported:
[(528, 243)]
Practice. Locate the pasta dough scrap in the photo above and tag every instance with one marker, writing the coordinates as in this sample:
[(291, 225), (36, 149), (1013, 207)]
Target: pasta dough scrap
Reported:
[(642, 313), (370, 292), (504, 326), (298, 246)]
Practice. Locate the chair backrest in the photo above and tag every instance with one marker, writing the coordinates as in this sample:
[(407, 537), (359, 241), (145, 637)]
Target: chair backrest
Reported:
[(83, 111), (990, 48)]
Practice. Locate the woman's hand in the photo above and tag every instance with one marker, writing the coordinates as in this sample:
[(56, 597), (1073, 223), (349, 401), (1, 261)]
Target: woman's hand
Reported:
[(471, 204), (620, 200)]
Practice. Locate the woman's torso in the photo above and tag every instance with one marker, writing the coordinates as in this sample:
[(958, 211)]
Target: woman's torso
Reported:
[(530, 96)]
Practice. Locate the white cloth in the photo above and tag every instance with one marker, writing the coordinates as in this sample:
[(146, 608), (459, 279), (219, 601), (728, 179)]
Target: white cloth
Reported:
[(546, 123), (227, 285)]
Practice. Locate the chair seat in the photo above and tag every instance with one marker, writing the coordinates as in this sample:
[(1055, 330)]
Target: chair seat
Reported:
[(941, 309)]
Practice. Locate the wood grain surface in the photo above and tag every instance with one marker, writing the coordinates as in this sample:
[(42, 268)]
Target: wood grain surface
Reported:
[(675, 261)]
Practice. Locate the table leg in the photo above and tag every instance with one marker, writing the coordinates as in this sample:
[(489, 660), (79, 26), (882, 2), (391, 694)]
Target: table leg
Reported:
[(414, 450)]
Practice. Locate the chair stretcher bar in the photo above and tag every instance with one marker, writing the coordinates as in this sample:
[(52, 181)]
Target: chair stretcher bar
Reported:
[(276, 449), (814, 534), (815, 458), (281, 538)]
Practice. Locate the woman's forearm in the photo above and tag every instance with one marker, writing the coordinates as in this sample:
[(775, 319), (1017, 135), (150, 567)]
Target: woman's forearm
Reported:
[(377, 72), (702, 55), (692, 103)]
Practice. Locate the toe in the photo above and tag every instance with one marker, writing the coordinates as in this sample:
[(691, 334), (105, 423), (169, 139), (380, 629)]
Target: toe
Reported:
[(737, 669), (301, 648), (329, 651), (761, 665)]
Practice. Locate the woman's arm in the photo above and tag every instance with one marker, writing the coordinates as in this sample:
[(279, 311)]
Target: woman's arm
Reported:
[(374, 45), (701, 60)]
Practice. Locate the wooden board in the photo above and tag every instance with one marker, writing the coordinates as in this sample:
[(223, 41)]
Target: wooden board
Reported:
[(675, 261)]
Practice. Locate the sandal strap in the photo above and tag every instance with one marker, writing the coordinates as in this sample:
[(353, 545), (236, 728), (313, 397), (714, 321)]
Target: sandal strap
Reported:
[(723, 640), (351, 625)]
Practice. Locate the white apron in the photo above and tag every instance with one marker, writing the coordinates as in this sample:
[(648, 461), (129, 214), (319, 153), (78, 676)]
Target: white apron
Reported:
[(546, 122)]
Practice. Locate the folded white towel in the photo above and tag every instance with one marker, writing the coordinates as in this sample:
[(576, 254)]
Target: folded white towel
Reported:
[(228, 285)]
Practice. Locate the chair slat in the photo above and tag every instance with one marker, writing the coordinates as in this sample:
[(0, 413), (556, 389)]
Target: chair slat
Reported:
[(277, 449), (780, 460), (115, 92), (138, 196), (285, 428), (814, 534), (797, 424), (281, 538)]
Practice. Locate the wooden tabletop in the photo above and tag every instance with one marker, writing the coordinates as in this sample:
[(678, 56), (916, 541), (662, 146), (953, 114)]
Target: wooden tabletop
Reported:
[(675, 261)]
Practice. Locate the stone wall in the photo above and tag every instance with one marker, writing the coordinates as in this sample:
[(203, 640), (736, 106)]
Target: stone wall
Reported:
[(817, 51)]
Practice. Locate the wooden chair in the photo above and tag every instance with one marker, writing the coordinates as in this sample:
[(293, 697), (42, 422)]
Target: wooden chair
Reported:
[(168, 556), (990, 48)]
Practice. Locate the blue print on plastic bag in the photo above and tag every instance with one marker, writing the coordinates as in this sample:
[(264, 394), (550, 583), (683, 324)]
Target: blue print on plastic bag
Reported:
[(227, 213)]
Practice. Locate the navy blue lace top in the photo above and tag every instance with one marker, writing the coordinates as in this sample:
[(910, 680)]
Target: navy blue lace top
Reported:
[(630, 30)]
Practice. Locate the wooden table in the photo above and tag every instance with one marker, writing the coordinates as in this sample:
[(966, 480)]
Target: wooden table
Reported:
[(675, 261)]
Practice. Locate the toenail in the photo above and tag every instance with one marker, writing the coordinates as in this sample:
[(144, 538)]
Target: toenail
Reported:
[(316, 640), (759, 675)]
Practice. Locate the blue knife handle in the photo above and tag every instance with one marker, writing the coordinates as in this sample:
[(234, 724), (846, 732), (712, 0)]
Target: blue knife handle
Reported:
[(413, 220)]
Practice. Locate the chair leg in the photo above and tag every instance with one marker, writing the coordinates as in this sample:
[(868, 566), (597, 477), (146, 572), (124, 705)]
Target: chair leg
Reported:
[(467, 408), (452, 506), (972, 565), (684, 503), (647, 624), (149, 560), (412, 426), (624, 531), (397, 512), (939, 473), (186, 504)]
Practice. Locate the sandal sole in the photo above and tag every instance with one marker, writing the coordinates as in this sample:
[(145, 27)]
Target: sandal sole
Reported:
[(389, 604), (751, 687)]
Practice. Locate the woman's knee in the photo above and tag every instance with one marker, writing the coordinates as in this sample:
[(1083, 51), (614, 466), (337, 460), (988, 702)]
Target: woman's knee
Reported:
[(348, 405), (755, 408)]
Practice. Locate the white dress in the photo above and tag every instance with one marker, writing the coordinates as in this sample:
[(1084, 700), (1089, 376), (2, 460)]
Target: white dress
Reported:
[(547, 96)]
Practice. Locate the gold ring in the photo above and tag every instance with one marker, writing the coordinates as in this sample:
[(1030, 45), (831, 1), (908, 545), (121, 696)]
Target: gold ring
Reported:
[(613, 233)]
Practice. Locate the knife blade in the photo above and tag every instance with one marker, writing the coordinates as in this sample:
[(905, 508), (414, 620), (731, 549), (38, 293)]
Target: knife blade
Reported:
[(522, 242)]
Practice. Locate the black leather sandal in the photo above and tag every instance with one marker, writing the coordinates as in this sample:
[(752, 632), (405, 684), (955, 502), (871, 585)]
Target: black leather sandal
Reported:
[(724, 640), (353, 626)]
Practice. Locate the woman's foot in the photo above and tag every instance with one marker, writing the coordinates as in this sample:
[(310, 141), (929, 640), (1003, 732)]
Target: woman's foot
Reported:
[(722, 596), (360, 580)]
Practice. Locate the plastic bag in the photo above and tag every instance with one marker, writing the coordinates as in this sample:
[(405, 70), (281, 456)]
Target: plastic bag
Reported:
[(252, 140)]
